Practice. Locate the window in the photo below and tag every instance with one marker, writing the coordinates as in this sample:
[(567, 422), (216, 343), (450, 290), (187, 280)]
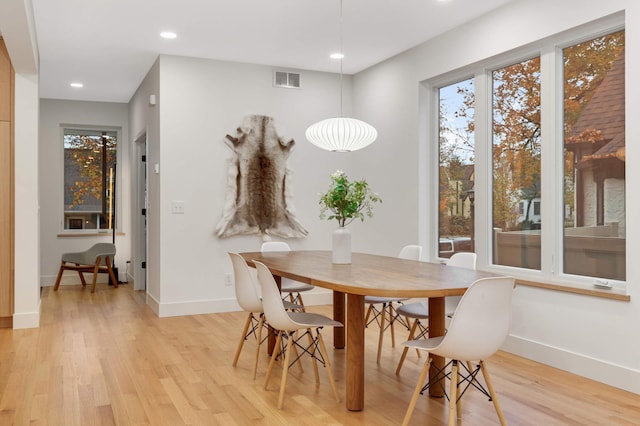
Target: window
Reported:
[(594, 158), (548, 119), (516, 164), (89, 179), (456, 168)]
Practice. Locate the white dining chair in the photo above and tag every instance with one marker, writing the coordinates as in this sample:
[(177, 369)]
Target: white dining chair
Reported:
[(478, 328), (387, 308), (420, 310), (291, 287), (248, 296), (249, 300), (286, 325)]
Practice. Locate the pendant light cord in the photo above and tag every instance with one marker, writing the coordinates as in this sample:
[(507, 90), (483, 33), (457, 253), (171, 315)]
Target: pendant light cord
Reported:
[(342, 57)]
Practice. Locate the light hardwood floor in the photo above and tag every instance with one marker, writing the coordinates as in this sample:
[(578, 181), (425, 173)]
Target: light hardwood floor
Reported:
[(105, 358)]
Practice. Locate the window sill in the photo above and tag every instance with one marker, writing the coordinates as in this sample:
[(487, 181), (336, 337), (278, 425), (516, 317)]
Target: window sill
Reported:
[(88, 234), (614, 294)]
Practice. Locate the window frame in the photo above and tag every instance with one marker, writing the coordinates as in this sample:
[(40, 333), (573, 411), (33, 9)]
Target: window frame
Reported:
[(62, 231), (552, 155)]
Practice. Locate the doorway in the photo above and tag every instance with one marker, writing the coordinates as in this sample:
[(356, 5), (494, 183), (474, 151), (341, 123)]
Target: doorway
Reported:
[(140, 212)]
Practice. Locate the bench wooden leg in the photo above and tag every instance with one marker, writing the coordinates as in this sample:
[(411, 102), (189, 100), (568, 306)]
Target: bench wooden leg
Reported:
[(96, 268), (60, 271), (84, 283), (111, 274)]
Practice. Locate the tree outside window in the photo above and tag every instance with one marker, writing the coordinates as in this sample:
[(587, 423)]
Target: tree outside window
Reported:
[(594, 158), (593, 179), (89, 167), (456, 168)]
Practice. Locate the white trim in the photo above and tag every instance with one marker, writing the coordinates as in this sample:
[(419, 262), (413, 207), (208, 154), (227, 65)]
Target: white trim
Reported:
[(198, 307), (595, 369), (27, 319)]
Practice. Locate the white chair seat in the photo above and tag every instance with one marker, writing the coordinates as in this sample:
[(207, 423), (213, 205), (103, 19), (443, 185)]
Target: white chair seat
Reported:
[(290, 306), (378, 299), (424, 344), (418, 310), (294, 287), (309, 319)]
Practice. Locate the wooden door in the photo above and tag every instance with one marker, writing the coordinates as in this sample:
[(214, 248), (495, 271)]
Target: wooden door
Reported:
[(6, 187)]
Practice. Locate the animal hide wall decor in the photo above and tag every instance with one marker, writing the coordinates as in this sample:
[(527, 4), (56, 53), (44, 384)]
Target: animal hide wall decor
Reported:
[(259, 190)]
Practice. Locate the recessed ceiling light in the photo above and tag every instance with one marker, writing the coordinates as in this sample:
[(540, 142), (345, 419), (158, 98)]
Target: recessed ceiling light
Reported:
[(77, 85), (336, 56), (168, 34)]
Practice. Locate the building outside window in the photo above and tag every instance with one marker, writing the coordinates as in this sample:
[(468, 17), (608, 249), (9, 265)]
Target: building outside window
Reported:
[(594, 157), (89, 179)]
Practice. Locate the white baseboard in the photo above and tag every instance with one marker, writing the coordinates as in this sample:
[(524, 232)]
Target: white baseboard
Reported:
[(596, 369), (153, 304), (27, 319), (72, 278), (198, 307)]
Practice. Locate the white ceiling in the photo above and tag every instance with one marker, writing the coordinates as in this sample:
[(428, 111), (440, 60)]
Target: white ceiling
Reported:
[(110, 45)]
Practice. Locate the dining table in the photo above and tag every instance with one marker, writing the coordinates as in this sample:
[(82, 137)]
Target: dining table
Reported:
[(370, 275)]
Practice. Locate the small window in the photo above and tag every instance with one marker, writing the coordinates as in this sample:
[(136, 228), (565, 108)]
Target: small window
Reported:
[(89, 179)]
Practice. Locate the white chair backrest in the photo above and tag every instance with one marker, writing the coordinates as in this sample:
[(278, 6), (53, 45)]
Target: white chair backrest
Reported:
[(270, 246), (410, 252), (272, 304), (481, 321), (275, 246), (245, 286), (463, 260)]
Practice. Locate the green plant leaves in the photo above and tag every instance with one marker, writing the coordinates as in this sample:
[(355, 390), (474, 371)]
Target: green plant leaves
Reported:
[(346, 200)]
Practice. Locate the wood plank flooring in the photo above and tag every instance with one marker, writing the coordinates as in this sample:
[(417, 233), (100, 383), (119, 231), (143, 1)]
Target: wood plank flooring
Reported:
[(105, 358)]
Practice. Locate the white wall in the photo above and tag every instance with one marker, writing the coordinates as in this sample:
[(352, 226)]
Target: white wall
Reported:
[(16, 23), (144, 119), (53, 114), (199, 102), (27, 253), (591, 336)]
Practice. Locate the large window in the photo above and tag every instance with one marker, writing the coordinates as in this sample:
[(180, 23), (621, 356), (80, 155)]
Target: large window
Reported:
[(594, 158), (89, 179), (553, 121), (516, 164), (456, 168)]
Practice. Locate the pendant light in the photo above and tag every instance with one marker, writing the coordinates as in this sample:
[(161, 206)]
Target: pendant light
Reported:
[(341, 134)]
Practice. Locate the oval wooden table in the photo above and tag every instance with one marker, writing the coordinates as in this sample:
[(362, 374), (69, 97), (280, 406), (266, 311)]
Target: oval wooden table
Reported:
[(372, 275)]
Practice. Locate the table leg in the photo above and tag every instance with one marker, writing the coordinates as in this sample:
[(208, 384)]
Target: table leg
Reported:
[(271, 341), (436, 328), (355, 352), (338, 315)]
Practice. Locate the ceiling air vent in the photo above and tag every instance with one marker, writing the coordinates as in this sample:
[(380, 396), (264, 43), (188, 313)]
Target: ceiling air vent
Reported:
[(289, 80)]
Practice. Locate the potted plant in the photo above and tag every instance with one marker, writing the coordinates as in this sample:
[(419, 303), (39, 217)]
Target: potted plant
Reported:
[(346, 201)]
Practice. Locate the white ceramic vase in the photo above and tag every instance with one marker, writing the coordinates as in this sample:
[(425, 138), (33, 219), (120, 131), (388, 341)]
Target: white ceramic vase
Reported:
[(341, 246)]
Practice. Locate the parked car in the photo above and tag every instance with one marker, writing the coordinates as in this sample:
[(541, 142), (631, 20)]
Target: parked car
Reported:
[(447, 246)]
